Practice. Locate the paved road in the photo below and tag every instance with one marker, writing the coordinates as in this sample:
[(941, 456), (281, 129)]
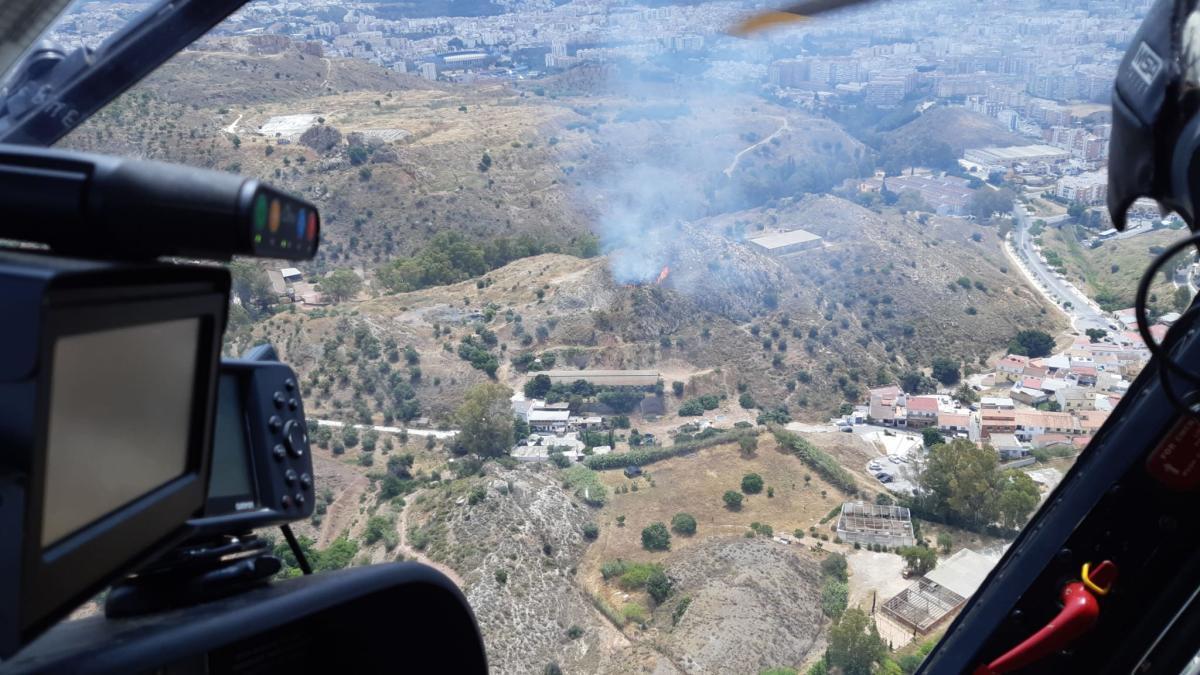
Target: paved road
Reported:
[(1083, 312), (391, 430)]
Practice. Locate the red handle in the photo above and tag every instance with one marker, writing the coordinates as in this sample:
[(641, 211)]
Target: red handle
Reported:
[(1080, 612)]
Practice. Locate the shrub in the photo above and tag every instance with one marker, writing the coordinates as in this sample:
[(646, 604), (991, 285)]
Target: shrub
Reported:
[(835, 567), (591, 531), (680, 609), (634, 612), (477, 494), (819, 461), (683, 523), (655, 537), (574, 633), (834, 597), (752, 483), (650, 454), (733, 500), (613, 568), (501, 577), (658, 585)]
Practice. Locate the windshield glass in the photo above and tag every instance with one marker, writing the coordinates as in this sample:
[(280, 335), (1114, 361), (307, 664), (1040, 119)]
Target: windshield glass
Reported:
[(677, 350)]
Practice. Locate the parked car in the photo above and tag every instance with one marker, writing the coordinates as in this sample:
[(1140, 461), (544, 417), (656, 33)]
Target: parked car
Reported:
[(887, 478), (633, 471), (875, 466), (846, 429)]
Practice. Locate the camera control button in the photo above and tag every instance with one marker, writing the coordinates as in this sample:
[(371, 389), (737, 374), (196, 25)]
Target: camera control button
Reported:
[(293, 404), (280, 399), (289, 476), (299, 498), (306, 481), (275, 424), (290, 384), (278, 452), (286, 502), (293, 437)]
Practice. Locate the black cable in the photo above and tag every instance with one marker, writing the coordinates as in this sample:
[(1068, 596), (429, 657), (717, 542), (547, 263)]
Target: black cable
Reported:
[(1189, 403), (295, 546)]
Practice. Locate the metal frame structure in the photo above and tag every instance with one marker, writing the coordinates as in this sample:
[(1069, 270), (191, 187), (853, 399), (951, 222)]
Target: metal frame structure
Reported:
[(864, 523), (922, 605)]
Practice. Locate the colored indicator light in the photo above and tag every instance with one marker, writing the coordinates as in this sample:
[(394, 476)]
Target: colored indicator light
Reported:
[(301, 223), (312, 227), (258, 238), (260, 212), (273, 218)]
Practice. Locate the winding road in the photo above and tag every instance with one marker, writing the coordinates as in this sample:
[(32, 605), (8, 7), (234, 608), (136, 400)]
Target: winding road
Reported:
[(1083, 313)]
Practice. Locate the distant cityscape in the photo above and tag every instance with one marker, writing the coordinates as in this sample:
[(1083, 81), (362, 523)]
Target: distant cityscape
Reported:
[(1007, 62)]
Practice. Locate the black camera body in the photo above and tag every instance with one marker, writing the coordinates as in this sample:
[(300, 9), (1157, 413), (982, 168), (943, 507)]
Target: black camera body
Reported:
[(131, 454), (262, 472), (111, 377), (107, 374)]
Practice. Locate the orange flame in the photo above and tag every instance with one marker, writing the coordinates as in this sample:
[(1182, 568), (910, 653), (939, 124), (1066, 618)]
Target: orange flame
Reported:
[(662, 276)]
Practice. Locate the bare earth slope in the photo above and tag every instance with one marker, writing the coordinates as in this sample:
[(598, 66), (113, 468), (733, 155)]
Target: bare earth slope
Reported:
[(755, 604)]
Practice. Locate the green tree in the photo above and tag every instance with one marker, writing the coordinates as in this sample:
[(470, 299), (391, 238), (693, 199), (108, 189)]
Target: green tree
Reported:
[(251, 284), (986, 202), (1018, 498), (340, 284), (965, 394), (683, 523), (677, 389), (520, 427), (1032, 343), (919, 559), (747, 445), (961, 481), (834, 597), (854, 644), (945, 542), (655, 537), (946, 371), (915, 382), (733, 500), (338, 555), (746, 401), (591, 531), (752, 483), (1098, 334), (658, 585), (834, 566), (931, 437), (485, 420), (538, 387)]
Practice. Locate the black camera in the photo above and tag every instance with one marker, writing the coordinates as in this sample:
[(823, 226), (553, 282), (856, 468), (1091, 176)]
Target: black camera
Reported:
[(110, 375), (131, 454)]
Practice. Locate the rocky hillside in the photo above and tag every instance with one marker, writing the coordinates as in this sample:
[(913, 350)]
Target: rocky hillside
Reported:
[(516, 549), (753, 604)]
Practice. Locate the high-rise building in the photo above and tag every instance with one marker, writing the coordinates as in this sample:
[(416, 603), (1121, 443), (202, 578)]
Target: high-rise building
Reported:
[(429, 71)]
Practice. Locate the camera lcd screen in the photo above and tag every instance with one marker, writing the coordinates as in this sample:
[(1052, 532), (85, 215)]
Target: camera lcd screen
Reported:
[(231, 451), (119, 422)]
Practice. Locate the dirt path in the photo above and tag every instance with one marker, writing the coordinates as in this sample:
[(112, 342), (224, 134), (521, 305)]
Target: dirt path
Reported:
[(784, 126), (232, 128), (410, 552), (328, 70)]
